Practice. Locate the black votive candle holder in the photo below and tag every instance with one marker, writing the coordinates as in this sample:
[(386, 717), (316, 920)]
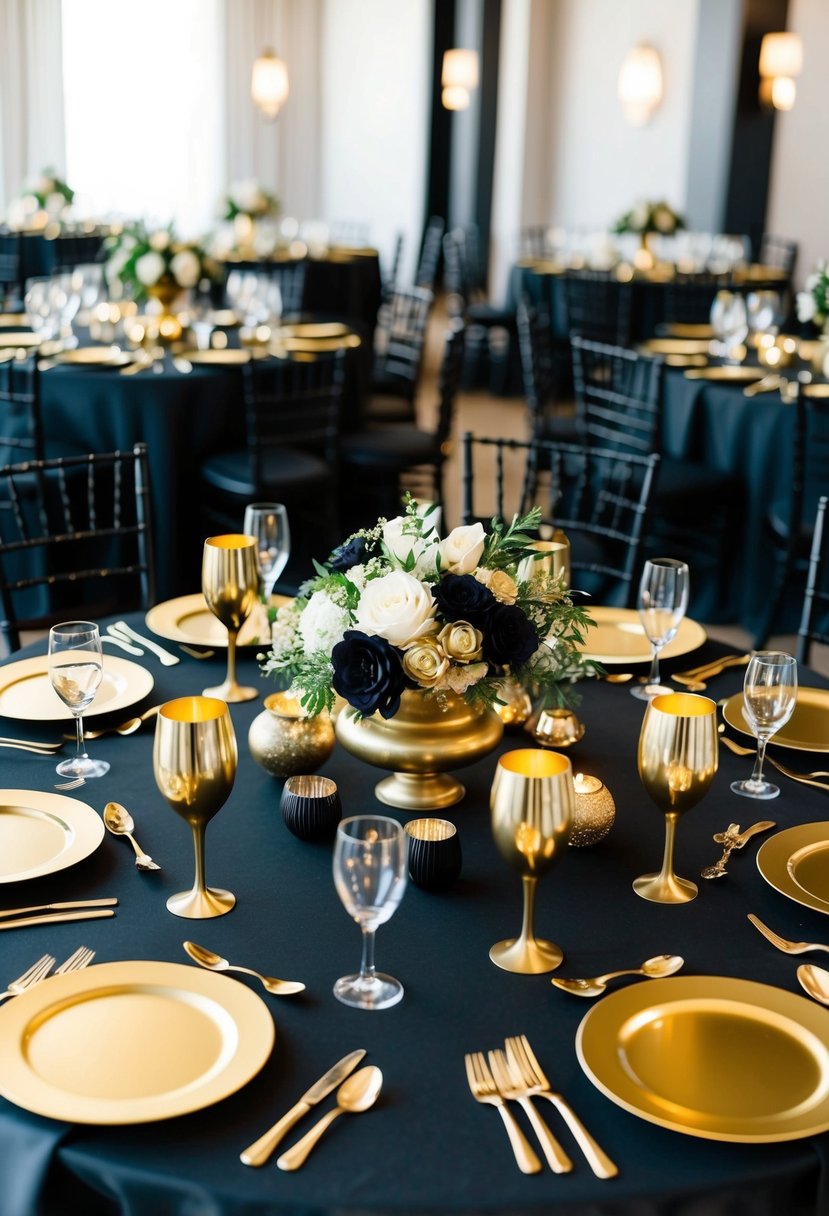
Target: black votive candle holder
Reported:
[(311, 807), (434, 853)]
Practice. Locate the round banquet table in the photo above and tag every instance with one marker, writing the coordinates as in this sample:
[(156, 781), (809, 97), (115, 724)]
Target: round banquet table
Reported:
[(426, 1146)]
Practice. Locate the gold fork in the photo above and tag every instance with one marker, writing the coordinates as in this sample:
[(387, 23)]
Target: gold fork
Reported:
[(523, 1061), (82, 957), (512, 1088), (483, 1087), (805, 778), (782, 943), (37, 972)]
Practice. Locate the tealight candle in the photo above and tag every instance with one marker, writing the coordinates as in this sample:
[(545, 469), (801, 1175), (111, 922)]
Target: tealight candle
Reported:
[(594, 811)]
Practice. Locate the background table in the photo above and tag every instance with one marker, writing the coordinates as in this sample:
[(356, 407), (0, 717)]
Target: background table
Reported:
[(427, 1146)]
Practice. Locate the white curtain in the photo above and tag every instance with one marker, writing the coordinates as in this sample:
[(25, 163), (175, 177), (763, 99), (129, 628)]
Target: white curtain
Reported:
[(31, 92), (284, 153)]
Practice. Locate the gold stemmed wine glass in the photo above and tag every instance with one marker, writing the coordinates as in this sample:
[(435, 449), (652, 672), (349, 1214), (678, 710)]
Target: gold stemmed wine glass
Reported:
[(678, 757), (532, 803), (194, 763), (230, 584)]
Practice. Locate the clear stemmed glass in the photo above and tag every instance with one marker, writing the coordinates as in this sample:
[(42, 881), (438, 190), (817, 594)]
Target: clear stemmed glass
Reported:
[(678, 757), (663, 599), (194, 764), (531, 805), (769, 695), (230, 582), (76, 668), (370, 856), (729, 320), (268, 523)]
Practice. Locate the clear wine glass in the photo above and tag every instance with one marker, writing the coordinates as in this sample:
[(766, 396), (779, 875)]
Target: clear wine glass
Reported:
[(76, 668), (268, 523), (729, 321), (769, 696), (370, 872), (663, 599)]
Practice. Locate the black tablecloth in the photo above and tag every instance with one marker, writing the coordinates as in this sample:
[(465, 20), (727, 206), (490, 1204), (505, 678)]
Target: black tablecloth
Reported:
[(426, 1147)]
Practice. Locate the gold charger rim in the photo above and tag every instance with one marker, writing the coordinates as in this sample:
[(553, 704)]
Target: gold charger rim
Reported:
[(230, 356), (598, 1051), (727, 372), (94, 356), (689, 636), (675, 346), (23, 338), (84, 829), (774, 855), (311, 329), (808, 699), (21, 1084), (13, 320), (138, 682), (165, 619)]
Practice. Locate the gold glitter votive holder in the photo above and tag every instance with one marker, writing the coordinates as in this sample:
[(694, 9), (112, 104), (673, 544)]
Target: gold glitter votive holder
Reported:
[(594, 812)]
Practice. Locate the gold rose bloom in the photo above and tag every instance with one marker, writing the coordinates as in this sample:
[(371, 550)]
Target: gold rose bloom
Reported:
[(461, 641), (503, 587), (425, 662)]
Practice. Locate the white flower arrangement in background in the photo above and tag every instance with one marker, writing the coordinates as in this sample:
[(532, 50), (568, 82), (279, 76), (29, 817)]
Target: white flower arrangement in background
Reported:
[(248, 198), (813, 301), (650, 217), (139, 260), (45, 193)]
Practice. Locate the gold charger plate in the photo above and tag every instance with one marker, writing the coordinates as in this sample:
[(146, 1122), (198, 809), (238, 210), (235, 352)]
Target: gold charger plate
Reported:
[(796, 863), (188, 619), (807, 730), (816, 390), (131, 1042), (18, 338), (347, 341), (26, 691), (13, 319), (230, 356), (618, 637), (689, 329), (311, 329), (42, 833), (736, 373), (711, 1056), (675, 346), (94, 356)]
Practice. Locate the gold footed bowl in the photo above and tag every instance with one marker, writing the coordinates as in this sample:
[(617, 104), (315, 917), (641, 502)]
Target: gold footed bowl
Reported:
[(428, 735)]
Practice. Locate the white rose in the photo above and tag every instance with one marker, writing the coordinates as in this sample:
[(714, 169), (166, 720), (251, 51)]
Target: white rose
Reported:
[(396, 607), (55, 203), (399, 542), (159, 240), (461, 551), (149, 268), (322, 623), (186, 268), (245, 195), (806, 307), (44, 185)]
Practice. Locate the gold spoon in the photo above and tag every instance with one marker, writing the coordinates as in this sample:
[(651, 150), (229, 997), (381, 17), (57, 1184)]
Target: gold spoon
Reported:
[(119, 821), (125, 728), (619, 677), (215, 962), (654, 968), (354, 1096), (815, 981)]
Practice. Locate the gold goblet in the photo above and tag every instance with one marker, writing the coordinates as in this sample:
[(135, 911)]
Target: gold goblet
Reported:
[(678, 757), (230, 584), (194, 762), (532, 807)]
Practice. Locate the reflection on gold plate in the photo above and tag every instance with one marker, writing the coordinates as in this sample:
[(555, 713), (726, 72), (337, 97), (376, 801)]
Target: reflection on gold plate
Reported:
[(816, 390), (94, 356), (311, 329), (188, 619), (735, 372), (283, 346), (18, 338), (686, 329), (796, 863), (618, 637), (185, 1039), (228, 357), (807, 730), (26, 691), (674, 346), (714, 1057), (42, 833)]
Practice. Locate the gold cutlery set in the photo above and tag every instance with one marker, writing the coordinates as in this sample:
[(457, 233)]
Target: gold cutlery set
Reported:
[(732, 838), (515, 1075), (812, 979), (49, 914), (38, 971)]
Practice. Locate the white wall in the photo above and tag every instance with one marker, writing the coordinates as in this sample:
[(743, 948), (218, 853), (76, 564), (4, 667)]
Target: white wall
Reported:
[(800, 167), (375, 115)]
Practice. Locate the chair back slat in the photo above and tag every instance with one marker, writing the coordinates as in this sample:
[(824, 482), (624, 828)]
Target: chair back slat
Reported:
[(618, 394), (598, 306), (814, 621), (427, 267)]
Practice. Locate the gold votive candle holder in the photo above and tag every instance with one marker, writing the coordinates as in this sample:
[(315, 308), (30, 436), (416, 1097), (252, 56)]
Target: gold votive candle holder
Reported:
[(558, 728), (594, 811)]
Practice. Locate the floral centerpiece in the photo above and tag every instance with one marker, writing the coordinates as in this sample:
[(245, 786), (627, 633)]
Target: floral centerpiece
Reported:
[(154, 263), (648, 217), (248, 198), (813, 301), (396, 608), (46, 193)]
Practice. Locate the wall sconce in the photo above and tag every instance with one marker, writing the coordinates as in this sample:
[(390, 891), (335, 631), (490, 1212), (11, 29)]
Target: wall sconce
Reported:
[(458, 77), (781, 59), (640, 83), (269, 83)]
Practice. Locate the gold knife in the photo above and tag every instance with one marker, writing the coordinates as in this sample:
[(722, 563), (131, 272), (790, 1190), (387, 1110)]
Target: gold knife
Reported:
[(56, 917), (261, 1149), (106, 902)]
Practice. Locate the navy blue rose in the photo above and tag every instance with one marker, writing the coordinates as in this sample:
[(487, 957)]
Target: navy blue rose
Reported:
[(368, 672), (349, 554), (510, 638), (460, 597)]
